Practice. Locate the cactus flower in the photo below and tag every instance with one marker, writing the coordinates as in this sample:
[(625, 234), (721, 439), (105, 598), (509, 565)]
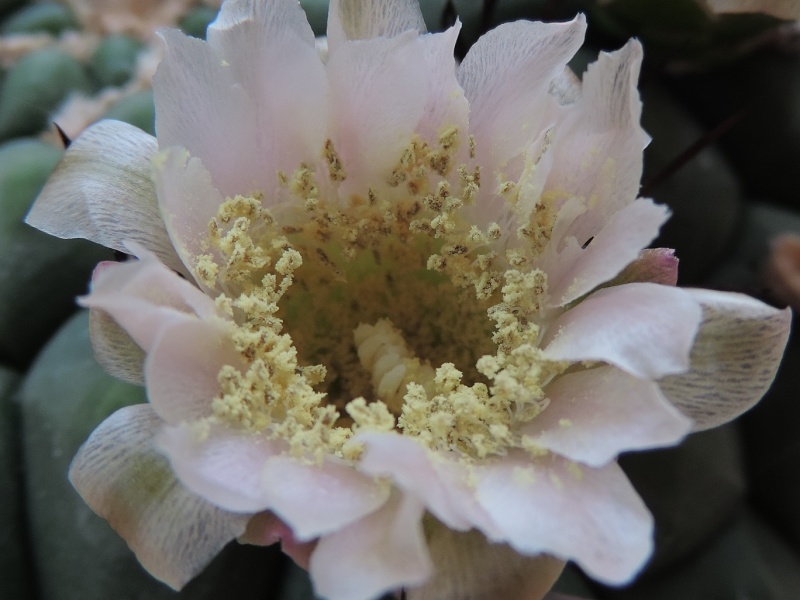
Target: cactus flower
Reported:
[(391, 310)]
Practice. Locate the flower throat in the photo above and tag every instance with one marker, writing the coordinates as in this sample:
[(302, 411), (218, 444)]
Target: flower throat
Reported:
[(387, 313)]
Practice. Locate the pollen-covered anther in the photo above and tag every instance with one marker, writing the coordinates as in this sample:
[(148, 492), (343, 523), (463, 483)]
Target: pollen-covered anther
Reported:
[(447, 414), (372, 416), (470, 183), (336, 170), (303, 185)]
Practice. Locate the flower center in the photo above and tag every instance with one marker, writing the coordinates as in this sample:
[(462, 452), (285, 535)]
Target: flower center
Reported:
[(387, 312)]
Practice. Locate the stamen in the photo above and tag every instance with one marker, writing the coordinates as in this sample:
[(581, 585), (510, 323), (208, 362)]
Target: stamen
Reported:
[(340, 315)]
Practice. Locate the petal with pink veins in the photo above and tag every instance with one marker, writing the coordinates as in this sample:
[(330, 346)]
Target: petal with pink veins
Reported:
[(315, 499), (645, 329), (377, 92), (656, 265), (596, 414), (201, 107), (549, 505), (734, 359), (269, 49), (119, 473), (183, 365), (440, 483), (469, 567), (369, 19), (379, 553), (102, 190)]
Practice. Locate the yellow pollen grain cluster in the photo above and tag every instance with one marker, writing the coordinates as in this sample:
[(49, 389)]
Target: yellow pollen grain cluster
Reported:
[(418, 160), (336, 170), (448, 415), (384, 311)]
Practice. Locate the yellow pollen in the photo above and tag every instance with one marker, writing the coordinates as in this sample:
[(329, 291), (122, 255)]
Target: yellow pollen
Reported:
[(335, 169), (387, 310)]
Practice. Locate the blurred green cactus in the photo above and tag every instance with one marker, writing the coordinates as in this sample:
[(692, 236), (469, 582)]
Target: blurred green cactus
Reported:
[(35, 87)]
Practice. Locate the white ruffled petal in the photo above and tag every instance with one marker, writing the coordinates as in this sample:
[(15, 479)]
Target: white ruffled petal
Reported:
[(598, 146), (506, 77)]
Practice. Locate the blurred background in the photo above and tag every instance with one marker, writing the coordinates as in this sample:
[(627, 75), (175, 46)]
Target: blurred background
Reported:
[(722, 103)]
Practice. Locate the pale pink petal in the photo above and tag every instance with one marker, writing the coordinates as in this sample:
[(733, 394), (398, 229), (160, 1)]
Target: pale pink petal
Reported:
[(376, 96), (144, 296), (446, 105), (114, 349), (656, 265), (270, 50), (246, 472), (380, 553), (369, 19), (734, 359), (596, 414), (188, 201), (783, 9), (441, 483), (468, 567), (506, 77), (265, 529), (538, 162), (318, 499), (222, 465), (575, 270), (182, 368), (598, 147), (547, 505), (645, 329), (119, 474), (201, 107), (566, 87), (102, 190)]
